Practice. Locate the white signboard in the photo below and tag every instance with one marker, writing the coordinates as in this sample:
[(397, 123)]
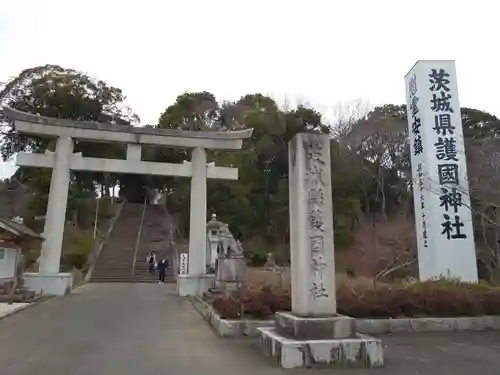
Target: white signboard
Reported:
[(443, 217), (183, 267)]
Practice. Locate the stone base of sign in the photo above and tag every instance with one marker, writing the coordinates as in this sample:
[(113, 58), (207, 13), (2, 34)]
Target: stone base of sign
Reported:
[(58, 284), (194, 285), (314, 328), (319, 341), (357, 351)]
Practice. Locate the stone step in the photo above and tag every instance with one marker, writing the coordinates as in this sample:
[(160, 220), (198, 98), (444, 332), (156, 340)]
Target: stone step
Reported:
[(168, 274), (115, 265), (128, 279), (115, 261), (128, 273), (125, 272), (118, 262), (118, 258)]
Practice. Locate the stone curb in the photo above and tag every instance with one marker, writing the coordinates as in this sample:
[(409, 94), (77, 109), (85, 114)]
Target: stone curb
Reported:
[(428, 324), (38, 300), (227, 328), (34, 302), (79, 284)]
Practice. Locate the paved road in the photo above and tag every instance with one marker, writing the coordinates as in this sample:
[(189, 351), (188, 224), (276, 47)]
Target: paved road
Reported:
[(131, 329)]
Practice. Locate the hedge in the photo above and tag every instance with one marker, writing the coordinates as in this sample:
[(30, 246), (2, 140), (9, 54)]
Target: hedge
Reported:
[(438, 298)]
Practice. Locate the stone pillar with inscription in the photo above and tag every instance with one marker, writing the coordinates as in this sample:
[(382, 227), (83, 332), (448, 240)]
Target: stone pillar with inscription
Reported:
[(313, 334), (445, 237), (311, 227)]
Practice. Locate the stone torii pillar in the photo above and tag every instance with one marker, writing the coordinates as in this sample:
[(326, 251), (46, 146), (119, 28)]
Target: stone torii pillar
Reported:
[(56, 208), (197, 281), (49, 280), (198, 213)]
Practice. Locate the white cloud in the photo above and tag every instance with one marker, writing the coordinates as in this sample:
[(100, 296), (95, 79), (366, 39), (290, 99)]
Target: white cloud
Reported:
[(323, 51)]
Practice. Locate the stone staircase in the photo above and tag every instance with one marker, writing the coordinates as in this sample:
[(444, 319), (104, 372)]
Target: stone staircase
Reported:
[(154, 237), (116, 261)]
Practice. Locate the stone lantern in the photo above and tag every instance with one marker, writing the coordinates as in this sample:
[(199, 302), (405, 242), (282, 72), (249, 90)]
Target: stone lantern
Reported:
[(214, 245), (224, 255)]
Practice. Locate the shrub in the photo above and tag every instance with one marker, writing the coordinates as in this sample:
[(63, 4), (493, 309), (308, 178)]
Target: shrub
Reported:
[(256, 251), (258, 259), (440, 298), (228, 307), (76, 260), (78, 246)]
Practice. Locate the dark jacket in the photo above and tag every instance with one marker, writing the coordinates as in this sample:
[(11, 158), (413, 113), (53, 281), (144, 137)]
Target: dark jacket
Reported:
[(162, 265)]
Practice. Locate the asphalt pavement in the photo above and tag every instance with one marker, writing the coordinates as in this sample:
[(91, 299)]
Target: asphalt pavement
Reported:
[(141, 329)]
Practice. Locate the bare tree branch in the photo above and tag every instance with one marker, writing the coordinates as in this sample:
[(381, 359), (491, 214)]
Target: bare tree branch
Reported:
[(394, 266)]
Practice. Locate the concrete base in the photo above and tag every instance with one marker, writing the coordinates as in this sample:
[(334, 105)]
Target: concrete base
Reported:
[(314, 328), (231, 269), (58, 284), (194, 285), (357, 351)]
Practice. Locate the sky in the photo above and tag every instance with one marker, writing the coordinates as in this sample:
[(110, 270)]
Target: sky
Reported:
[(319, 52)]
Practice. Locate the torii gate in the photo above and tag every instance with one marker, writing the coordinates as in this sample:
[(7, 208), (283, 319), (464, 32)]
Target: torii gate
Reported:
[(49, 279)]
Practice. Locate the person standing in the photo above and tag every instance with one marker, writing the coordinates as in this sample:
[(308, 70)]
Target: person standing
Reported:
[(151, 259), (162, 270)]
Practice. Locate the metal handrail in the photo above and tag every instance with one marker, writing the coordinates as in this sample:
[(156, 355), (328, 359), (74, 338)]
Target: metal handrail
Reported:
[(176, 262), (100, 243), (172, 231), (139, 234)]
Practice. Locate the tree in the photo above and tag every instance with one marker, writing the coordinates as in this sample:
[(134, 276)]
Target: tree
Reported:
[(380, 139), (191, 111), (481, 130), (479, 125), (60, 93), (53, 91), (257, 204)]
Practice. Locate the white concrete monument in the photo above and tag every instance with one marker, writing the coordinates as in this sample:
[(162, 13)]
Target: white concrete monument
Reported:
[(445, 237), (49, 279), (314, 334)]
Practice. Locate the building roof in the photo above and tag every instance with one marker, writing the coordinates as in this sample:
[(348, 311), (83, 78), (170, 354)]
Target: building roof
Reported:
[(18, 229)]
